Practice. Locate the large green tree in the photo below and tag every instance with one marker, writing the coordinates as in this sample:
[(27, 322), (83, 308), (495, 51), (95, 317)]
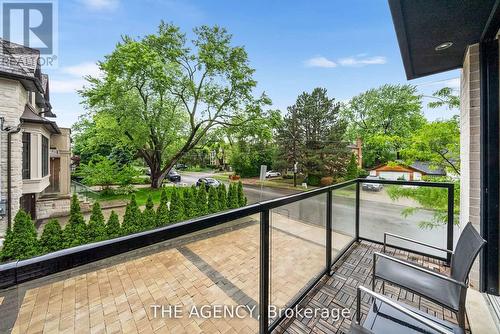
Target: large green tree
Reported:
[(164, 94), (437, 142), (312, 134), (384, 118), (96, 135), (252, 144), (444, 97)]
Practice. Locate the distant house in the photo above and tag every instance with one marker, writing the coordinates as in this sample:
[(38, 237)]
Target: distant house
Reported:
[(34, 150), (413, 172)]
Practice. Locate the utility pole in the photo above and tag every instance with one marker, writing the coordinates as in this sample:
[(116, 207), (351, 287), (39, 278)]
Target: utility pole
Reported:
[(295, 174)]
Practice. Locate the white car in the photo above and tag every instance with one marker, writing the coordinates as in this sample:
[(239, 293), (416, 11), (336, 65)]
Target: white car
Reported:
[(272, 174)]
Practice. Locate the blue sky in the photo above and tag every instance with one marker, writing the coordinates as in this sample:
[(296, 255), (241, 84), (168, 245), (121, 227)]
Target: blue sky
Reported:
[(346, 47)]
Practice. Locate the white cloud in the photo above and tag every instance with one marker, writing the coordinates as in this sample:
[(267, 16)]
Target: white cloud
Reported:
[(362, 60), (83, 69), (355, 61), (69, 79), (101, 4), (66, 86), (320, 62)]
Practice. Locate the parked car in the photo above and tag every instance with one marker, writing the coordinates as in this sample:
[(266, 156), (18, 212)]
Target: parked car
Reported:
[(372, 186), (181, 166), (272, 173), (173, 176), (208, 182)]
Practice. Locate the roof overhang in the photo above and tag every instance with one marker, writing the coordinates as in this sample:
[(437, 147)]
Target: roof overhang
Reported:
[(29, 116), (423, 25)]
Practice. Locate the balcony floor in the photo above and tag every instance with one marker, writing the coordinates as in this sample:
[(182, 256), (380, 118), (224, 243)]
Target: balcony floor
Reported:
[(218, 266), (339, 291)]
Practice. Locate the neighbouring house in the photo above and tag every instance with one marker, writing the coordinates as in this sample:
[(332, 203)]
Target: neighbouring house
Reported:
[(413, 172), (357, 150), (34, 150)]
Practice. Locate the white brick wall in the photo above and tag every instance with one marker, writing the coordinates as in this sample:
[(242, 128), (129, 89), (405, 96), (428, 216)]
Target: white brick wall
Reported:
[(469, 147)]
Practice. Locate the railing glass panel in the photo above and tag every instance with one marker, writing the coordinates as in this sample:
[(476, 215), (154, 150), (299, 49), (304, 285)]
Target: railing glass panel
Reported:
[(297, 249), (343, 218), (178, 285), (416, 212)]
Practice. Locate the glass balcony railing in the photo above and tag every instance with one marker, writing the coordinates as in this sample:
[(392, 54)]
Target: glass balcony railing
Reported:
[(256, 261)]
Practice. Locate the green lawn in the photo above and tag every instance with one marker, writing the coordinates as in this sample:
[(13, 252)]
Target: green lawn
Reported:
[(198, 169), (141, 195)]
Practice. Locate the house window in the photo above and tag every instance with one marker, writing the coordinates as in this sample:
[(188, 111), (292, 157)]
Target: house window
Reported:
[(45, 156), (26, 155)]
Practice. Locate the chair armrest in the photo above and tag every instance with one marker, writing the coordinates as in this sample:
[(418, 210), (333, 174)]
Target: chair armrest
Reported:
[(411, 314), (386, 234), (411, 265)]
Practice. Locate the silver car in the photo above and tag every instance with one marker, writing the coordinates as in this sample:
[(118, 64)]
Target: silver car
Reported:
[(372, 186)]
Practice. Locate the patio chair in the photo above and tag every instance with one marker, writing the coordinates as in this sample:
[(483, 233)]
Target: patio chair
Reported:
[(447, 291), (386, 316)]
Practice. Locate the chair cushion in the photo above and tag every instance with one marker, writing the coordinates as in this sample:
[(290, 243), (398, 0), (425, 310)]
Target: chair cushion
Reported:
[(427, 285)]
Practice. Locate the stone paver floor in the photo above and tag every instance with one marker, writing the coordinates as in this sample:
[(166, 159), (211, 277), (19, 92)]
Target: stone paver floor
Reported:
[(219, 266)]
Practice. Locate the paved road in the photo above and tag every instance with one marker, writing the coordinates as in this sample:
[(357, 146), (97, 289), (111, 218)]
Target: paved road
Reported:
[(377, 214)]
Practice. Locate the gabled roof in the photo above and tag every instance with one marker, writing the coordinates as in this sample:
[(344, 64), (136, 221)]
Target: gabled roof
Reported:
[(21, 63), (424, 167), (428, 168), (18, 59), (29, 116)]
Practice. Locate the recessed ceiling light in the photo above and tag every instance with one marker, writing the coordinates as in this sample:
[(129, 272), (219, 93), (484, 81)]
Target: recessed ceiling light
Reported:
[(443, 46)]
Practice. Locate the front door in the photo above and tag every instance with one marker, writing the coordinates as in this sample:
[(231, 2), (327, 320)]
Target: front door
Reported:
[(28, 204), (55, 167)]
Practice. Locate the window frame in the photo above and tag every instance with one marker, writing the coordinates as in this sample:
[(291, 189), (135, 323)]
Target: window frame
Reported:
[(26, 155), (45, 156)]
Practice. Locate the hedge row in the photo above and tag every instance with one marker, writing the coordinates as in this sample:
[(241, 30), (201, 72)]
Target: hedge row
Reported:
[(21, 241)]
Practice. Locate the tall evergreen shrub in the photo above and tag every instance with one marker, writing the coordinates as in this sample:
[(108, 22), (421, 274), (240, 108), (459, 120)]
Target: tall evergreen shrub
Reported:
[(21, 241), (52, 237), (96, 229), (113, 228), (75, 232), (162, 210)]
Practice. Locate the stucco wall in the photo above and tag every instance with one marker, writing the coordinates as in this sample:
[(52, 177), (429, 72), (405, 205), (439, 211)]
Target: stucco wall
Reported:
[(469, 147), (62, 143)]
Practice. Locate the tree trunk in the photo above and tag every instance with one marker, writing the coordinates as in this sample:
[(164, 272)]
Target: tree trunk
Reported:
[(156, 176), (157, 179)]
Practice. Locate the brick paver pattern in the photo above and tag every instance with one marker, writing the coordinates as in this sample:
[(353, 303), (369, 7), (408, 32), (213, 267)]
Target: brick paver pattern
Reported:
[(219, 266)]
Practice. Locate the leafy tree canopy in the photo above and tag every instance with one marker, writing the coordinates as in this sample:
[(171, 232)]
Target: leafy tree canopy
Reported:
[(165, 94), (437, 142), (384, 118)]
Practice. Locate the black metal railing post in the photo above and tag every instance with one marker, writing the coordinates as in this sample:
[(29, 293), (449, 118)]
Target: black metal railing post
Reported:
[(357, 208), (451, 214), (329, 231), (264, 273)]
